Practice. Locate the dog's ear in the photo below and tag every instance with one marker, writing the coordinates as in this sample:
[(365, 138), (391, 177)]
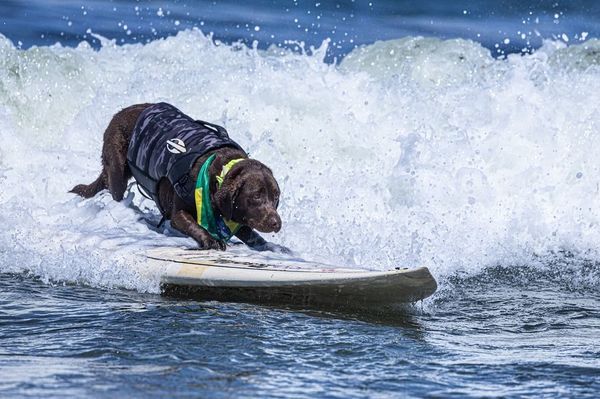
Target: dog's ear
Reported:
[(229, 191)]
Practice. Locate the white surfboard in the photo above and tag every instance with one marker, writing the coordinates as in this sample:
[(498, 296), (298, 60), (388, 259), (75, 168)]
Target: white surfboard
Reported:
[(226, 276)]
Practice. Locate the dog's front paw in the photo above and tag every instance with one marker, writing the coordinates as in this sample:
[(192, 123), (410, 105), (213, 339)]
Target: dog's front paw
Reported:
[(211, 243), (269, 246)]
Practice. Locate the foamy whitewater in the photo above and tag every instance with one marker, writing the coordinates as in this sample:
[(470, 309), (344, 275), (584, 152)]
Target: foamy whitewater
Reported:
[(407, 152)]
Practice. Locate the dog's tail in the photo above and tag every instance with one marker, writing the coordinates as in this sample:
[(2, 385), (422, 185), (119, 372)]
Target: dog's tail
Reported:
[(89, 190)]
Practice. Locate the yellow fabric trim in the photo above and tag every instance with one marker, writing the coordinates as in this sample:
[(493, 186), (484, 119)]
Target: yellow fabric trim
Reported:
[(232, 226), (226, 168), (198, 200)]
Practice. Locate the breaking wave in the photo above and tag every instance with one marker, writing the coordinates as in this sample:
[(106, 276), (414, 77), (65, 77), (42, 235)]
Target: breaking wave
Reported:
[(408, 152)]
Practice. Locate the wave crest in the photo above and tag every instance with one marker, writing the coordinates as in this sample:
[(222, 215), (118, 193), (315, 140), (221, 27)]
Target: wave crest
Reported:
[(409, 152)]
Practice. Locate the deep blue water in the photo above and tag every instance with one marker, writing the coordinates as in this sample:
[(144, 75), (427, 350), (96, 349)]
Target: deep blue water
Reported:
[(493, 338), (504, 26), (498, 326)]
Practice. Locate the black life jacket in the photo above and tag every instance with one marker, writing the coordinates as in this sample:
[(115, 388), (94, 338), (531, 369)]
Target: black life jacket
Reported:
[(166, 143)]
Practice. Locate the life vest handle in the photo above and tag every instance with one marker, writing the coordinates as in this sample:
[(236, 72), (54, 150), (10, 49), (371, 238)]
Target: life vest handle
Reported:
[(209, 125)]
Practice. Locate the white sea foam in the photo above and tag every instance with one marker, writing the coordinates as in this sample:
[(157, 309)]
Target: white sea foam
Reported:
[(409, 152)]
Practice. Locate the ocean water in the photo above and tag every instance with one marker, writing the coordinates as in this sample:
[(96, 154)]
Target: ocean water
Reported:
[(462, 138)]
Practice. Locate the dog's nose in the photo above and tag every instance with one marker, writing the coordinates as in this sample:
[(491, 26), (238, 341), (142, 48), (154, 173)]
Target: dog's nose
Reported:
[(274, 223)]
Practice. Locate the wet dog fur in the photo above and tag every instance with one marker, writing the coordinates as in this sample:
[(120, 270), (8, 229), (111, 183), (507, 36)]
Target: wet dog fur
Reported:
[(249, 194)]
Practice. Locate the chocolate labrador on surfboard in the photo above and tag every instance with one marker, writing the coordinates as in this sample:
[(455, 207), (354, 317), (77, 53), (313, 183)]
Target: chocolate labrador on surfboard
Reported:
[(198, 177)]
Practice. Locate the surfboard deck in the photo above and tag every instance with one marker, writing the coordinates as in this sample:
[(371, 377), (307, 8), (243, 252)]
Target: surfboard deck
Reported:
[(226, 276)]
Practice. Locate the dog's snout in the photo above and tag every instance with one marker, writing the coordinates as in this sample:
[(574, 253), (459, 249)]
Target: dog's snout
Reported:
[(274, 223)]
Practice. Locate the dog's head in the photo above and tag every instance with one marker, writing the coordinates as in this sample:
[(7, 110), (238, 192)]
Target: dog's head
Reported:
[(250, 195)]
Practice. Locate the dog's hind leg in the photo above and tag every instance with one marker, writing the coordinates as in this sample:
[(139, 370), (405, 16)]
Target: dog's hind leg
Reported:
[(114, 152), (115, 172), (89, 190), (114, 161)]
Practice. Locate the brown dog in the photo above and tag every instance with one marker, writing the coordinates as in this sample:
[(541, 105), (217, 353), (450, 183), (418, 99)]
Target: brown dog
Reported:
[(151, 142)]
